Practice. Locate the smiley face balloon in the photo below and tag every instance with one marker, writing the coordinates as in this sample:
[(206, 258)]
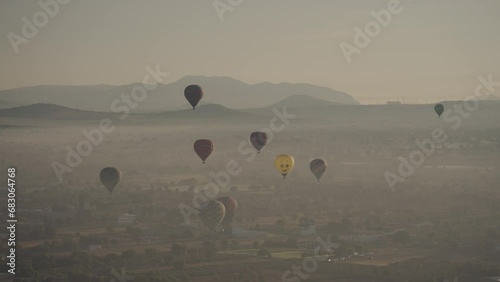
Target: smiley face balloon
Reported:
[(284, 164)]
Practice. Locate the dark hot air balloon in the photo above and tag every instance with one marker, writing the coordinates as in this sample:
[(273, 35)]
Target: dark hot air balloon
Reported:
[(439, 108), (212, 214), (318, 167), (203, 148), (258, 140), (110, 177), (231, 205), (193, 94)]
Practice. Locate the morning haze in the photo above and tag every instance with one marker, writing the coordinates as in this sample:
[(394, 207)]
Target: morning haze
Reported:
[(238, 140)]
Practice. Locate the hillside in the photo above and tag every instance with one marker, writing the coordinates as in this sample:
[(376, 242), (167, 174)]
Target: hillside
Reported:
[(51, 112), (55, 112), (302, 101), (225, 91), (303, 107), (379, 116)]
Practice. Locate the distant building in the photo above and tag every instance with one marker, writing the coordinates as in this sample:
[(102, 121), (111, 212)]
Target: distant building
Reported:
[(146, 240), (94, 247), (361, 238), (181, 231), (425, 224), (126, 218), (240, 232), (393, 103), (307, 226)]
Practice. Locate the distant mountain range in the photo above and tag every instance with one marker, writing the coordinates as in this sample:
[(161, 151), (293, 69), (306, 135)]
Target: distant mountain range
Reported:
[(301, 101), (225, 91), (52, 112), (55, 112), (305, 108), (204, 111)]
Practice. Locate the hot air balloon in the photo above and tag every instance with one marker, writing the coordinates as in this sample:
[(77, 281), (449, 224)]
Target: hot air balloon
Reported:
[(212, 214), (258, 140), (110, 177), (203, 148), (439, 108), (318, 167), (193, 94), (284, 164), (231, 205)]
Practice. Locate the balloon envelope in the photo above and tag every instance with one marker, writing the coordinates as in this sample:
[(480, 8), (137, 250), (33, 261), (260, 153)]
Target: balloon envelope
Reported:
[(231, 205), (110, 177), (318, 167), (439, 108), (203, 148), (193, 94), (258, 140), (212, 214), (284, 164)]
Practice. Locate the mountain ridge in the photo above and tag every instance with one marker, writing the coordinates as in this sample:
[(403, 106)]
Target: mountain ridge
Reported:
[(226, 91), (57, 112), (52, 112)]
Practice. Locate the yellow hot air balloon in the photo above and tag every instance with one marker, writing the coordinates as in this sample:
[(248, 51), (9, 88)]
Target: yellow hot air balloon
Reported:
[(284, 164)]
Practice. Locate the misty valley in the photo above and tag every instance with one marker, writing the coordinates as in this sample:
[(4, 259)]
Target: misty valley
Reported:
[(399, 190)]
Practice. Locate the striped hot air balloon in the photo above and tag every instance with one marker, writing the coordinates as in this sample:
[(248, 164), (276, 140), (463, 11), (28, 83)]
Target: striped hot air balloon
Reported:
[(231, 205), (318, 167), (212, 215), (203, 148)]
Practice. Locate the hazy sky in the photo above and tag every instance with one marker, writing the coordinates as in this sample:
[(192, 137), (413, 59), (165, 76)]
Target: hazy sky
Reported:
[(432, 50)]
